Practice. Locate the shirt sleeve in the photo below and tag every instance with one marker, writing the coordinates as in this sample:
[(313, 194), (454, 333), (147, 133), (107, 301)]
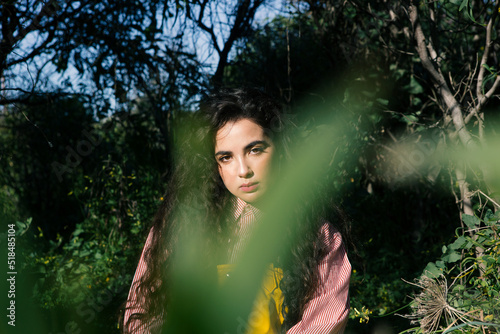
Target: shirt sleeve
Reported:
[(134, 305), (328, 310)]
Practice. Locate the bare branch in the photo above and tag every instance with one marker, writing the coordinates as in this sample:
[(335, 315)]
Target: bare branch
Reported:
[(486, 54), (482, 100), (437, 77), (422, 49), (204, 27), (27, 98), (245, 13), (38, 50), (47, 10)]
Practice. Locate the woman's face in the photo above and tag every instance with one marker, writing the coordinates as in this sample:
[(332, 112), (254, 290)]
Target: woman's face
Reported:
[(244, 154)]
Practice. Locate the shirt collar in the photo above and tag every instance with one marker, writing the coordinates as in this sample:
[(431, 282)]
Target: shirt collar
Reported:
[(241, 206)]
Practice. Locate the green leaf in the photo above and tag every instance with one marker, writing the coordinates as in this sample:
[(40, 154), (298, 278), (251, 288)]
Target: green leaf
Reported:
[(432, 271), (84, 253), (383, 102), (22, 227), (458, 288), (463, 5), (440, 264), (414, 87), (454, 257), (490, 217), (471, 221), (458, 243), (490, 69), (416, 102), (410, 119), (78, 230), (477, 323)]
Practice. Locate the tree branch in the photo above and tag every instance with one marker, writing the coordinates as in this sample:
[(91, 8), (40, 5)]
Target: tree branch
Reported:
[(481, 101), (483, 98), (486, 54), (35, 52), (27, 97), (245, 13), (203, 26), (437, 77), (48, 9)]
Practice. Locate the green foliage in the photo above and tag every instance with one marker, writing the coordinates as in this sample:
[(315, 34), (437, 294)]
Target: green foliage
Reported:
[(34, 138), (375, 296), (101, 253), (9, 211), (469, 270), (82, 245), (116, 47)]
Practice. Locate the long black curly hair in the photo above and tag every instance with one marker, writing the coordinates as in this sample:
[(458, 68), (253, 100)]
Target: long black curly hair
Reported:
[(203, 189)]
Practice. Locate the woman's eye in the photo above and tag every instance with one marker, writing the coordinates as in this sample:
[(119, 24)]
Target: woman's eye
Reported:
[(257, 150), (224, 158)]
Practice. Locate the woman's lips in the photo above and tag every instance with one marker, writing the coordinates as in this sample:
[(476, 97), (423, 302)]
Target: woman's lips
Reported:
[(249, 187)]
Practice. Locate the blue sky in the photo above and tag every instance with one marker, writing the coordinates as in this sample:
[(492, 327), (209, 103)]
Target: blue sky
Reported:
[(25, 75)]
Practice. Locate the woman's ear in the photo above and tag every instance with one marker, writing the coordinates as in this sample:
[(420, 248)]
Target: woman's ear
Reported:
[(219, 168)]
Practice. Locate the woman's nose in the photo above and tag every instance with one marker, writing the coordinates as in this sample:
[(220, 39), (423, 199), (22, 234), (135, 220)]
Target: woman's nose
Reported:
[(244, 170)]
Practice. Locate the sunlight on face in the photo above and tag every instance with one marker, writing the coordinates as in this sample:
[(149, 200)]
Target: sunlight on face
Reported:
[(244, 153)]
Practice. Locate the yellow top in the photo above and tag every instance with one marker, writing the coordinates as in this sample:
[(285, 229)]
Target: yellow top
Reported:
[(266, 316)]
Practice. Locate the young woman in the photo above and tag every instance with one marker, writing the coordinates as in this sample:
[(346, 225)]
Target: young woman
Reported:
[(239, 147)]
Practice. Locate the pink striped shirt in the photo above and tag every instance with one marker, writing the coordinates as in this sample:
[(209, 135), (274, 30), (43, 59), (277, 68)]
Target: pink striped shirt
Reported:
[(326, 313)]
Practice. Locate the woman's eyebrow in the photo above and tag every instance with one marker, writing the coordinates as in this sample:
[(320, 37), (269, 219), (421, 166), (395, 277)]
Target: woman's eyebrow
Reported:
[(257, 142), (223, 153), (247, 147)]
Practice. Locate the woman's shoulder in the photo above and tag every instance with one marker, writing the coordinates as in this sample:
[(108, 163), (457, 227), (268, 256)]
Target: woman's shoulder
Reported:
[(329, 234)]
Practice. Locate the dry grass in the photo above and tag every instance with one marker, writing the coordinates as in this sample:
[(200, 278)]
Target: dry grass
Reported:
[(431, 304)]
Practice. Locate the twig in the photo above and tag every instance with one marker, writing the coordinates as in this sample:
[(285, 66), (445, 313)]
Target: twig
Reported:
[(437, 77), (489, 198), (486, 53), (483, 98)]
